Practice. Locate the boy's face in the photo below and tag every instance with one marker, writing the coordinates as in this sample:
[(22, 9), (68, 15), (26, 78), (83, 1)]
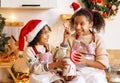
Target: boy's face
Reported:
[(44, 36)]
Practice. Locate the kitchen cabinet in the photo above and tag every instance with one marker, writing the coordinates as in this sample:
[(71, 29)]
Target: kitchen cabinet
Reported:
[(28, 3)]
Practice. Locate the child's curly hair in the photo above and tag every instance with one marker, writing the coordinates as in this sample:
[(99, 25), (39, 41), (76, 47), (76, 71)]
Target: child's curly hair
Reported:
[(92, 16)]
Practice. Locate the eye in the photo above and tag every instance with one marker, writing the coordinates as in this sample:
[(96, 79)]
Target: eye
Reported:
[(46, 32), (82, 23), (75, 23)]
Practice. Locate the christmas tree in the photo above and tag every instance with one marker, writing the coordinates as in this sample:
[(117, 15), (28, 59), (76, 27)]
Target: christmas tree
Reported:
[(3, 38)]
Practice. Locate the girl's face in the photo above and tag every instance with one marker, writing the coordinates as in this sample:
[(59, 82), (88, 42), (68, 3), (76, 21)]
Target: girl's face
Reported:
[(44, 36), (82, 25)]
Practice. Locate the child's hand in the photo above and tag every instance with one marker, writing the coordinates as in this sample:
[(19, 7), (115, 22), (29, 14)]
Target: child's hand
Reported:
[(80, 58), (67, 32), (69, 78), (75, 56), (60, 63)]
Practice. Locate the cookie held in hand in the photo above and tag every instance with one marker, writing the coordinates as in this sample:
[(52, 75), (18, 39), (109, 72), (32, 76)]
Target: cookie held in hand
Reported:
[(72, 56)]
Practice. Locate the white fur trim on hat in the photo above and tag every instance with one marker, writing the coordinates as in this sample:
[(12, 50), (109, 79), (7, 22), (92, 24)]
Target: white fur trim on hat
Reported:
[(31, 35), (78, 9)]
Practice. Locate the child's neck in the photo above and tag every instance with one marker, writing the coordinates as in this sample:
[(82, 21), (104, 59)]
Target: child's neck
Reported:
[(85, 34)]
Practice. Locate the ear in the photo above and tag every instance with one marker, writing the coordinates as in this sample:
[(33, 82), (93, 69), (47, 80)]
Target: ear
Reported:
[(91, 24)]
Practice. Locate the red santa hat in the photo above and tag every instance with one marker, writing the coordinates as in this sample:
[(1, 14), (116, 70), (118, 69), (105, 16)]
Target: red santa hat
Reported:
[(29, 32), (75, 6)]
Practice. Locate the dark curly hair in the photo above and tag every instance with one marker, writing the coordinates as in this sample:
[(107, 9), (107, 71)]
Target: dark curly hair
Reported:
[(92, 16)]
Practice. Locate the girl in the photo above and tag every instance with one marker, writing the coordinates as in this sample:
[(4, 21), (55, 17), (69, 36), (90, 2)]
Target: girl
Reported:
[(86, 47), (38, 53)]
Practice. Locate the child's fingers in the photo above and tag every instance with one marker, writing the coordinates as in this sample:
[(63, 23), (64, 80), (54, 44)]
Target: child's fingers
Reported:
[(67, 30), (77, 59)]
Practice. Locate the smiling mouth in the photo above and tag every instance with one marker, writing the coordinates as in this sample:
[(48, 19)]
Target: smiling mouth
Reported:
[(79, 32)]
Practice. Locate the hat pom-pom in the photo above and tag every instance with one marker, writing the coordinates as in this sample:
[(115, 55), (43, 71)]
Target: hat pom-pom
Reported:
[(20, 54)]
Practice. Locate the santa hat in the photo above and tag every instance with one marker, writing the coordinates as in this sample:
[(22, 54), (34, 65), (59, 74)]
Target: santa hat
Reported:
[(29, 32), (75, 6)]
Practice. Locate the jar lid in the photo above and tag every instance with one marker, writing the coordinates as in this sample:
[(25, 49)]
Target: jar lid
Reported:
[(115, 68), (115, 79)]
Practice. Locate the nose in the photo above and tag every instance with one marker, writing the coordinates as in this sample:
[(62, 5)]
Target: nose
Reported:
[(78, 27)]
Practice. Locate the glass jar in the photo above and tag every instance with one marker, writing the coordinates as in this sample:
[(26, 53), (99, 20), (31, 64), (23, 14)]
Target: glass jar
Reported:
[(115, 74)]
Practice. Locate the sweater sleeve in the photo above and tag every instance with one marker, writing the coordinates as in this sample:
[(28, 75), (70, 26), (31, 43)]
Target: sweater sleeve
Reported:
[(64, 50), (101, 53), (33, 63)]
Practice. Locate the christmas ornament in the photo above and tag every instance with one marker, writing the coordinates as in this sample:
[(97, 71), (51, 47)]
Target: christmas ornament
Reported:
[(109, 9)]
